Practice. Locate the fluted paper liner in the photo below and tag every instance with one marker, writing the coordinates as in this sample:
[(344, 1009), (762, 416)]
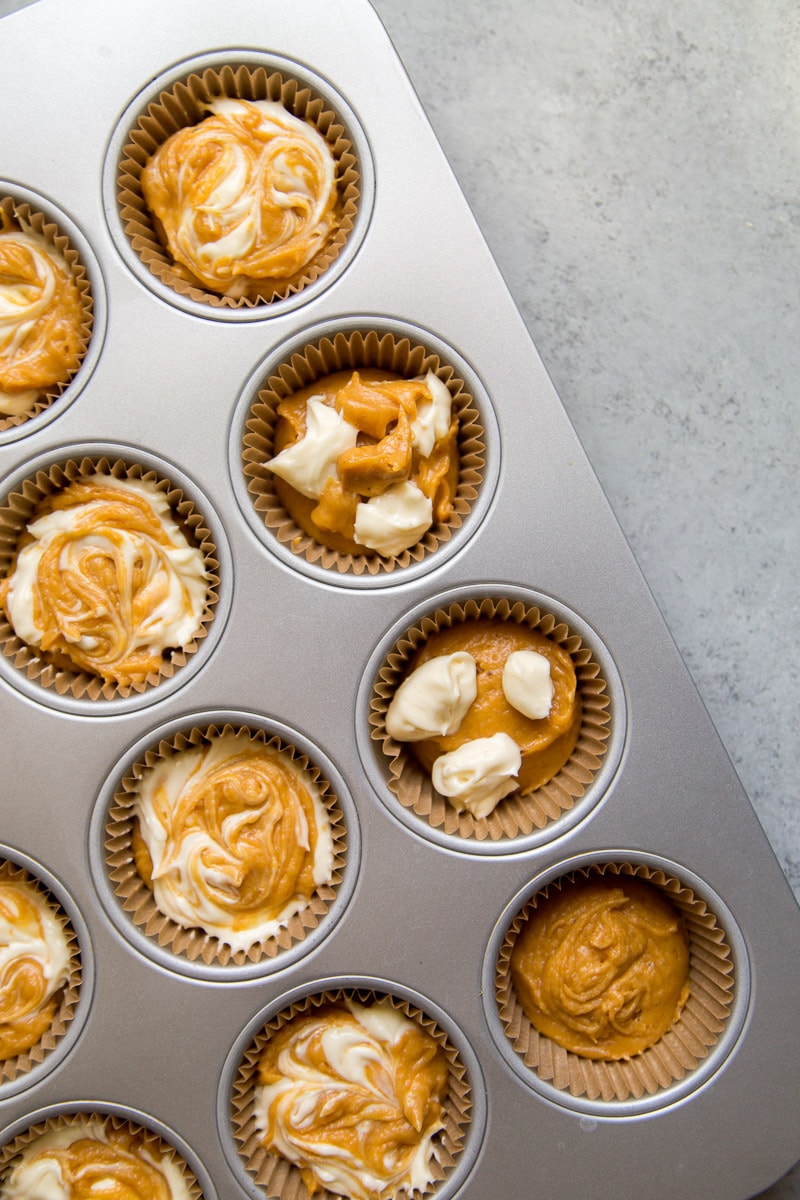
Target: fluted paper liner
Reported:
[(11, 1068), (29, 219), (679, 1051), (60, 674), (516, 815), (149, 1140), (281, 1179), (397, 355), (183, 105), (137, 898)]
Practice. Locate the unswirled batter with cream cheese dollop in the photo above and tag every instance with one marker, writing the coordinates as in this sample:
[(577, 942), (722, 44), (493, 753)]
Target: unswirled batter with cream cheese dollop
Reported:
[(91, 1158), (34, 962), (232, 837), (40, 319), (353, 1095), (105, 578), (488, 707), (248, 194)]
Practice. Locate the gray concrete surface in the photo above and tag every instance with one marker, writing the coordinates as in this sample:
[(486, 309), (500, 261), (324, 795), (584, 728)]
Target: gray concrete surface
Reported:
[(634, 166)]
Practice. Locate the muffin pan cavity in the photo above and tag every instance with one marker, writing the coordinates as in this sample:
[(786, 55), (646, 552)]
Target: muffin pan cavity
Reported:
[(692, 1049), (128, 900), (265, 1173), (338, 349), (22, 209), (179, 99), (52, 677), (527, 817)]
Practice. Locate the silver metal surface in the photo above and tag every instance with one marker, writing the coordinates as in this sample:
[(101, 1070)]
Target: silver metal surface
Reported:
[(294, 649)]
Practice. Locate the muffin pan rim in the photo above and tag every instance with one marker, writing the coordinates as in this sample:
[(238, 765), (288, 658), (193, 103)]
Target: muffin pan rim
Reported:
[(476, 1128), (42, 203), (163, 957), (677, 1092), (165, 688), (349, 323), (168, 77), (375, 766), (53, 1058)]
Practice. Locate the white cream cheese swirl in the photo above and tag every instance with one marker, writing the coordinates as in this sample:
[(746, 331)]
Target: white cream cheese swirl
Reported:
[(237, 836), (477, 775), (89, 1158), (108, 579), (353, 1096), (247, 194), (433, 699)]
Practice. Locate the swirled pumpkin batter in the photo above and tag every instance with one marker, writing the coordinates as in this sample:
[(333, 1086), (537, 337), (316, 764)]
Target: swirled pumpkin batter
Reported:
[(232, 837), (602, 966), (41, 314), (353, 1095), (544, 742), (34, 961), (248, 194), (91, 1158), (366, 463), (105, 580)]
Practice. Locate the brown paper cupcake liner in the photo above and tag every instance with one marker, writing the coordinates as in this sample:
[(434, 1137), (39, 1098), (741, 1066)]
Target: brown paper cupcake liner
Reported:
[(397, 355), (49, 671), (12, 1068), (148, 1139), (279, 1178), (516, 815), (29, 219), (136, 897), (184, 104), (679, 1051)]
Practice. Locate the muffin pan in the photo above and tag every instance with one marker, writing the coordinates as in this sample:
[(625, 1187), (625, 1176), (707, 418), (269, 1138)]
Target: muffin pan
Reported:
[(303, 651)]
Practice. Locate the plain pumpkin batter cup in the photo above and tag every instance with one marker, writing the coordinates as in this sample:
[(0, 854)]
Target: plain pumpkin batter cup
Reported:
[(108, 578), (484, 769), (225, 845), (40, 972), (392, 1066), (398, 444), (204, 177), (113, 1155), (627, 976), (46, 312)]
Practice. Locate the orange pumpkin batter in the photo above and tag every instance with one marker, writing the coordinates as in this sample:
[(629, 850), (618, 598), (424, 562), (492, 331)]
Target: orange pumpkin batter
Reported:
[(33, 960), (602, 966)]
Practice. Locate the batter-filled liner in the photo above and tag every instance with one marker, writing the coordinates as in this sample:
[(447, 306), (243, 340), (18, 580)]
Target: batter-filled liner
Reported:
[(29, 220), (398, 356), (184, 104), (678, 1052), (50, 671), (516, 815), (149, 1140), (279, 1178), (12, 1068), (136, 897)]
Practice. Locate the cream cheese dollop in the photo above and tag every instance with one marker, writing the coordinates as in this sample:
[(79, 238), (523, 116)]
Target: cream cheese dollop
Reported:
[(477, 775), (434, 699), (309, 462), (433, 416), (527, 685), (394, 520)]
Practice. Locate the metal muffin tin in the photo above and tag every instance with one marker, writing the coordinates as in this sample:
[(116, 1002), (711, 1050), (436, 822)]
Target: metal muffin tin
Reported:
[(419, 916)]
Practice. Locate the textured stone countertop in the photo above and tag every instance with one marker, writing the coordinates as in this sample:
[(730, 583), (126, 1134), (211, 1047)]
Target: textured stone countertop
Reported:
[(634, 168)]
